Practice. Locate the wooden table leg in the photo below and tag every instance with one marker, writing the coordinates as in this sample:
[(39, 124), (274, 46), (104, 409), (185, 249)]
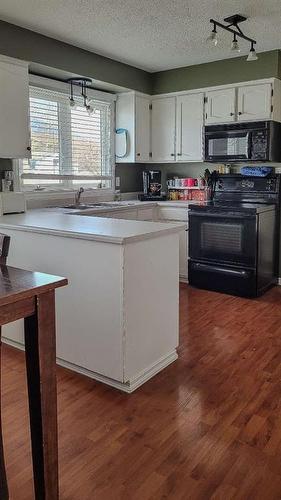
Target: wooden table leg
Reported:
[(40, 344), (4, 494)]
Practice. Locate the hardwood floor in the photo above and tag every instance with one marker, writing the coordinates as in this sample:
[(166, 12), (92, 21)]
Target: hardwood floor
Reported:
[(207, 427)]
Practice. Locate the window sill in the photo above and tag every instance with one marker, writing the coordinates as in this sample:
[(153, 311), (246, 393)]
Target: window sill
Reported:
[(65, 193), (43, 199)]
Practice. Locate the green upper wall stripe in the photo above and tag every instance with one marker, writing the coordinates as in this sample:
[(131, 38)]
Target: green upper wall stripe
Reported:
[(30, 46), (215, 73), (42, 50)]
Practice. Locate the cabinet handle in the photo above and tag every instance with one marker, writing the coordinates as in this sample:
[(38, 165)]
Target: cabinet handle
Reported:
[(179, 154), (28, 148), (173, 154), (138, 154), (231, 114), (240, 113)]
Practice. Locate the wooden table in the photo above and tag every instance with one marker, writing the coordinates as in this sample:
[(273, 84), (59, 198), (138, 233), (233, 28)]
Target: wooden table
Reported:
[(29, 295)]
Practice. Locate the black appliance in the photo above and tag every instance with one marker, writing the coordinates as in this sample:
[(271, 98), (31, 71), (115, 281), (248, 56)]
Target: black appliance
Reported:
[(152, 186), (234, 239), (252, 141)]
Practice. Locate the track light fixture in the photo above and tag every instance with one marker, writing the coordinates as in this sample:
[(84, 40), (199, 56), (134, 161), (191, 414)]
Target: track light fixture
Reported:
[(213, 38), (252, 54), (234, 45), (234, 28), (82, 83)]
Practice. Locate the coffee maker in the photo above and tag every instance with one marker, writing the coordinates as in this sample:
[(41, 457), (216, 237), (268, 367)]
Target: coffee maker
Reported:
[(152, 185)]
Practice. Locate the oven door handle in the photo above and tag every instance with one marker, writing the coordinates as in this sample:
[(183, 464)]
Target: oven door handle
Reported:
[(222, 216), (217, 269)]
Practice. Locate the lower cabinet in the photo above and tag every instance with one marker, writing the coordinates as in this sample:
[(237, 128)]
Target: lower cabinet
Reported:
[(175, 214), (160, 214), (183, 255)]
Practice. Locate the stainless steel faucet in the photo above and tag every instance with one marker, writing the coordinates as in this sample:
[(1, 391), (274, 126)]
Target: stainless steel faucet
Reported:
[(78, 195)]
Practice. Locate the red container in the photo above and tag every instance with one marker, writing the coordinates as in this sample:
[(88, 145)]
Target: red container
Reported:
[(190, 182)]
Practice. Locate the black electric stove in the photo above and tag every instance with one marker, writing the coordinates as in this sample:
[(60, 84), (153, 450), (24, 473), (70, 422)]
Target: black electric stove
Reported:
[(234, 239)]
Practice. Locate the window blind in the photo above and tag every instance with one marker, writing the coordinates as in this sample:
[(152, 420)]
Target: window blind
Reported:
[(67, 144)]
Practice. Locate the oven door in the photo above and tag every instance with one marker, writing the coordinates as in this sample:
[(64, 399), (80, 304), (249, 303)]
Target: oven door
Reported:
[(223, 238), (231, 145)]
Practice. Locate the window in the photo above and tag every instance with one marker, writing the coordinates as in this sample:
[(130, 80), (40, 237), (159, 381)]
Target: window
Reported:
[(68, 146)]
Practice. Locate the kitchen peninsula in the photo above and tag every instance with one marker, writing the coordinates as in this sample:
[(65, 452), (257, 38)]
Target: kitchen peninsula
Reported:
[(117, 321)]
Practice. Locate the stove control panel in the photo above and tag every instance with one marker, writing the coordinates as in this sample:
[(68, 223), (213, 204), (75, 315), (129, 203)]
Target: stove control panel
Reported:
[(235, 184)]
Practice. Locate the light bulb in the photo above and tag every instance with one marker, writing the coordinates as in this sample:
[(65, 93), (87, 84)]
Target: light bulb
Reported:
[(252, 55), (89, 109), (235, 46), (72, 103), (213, 38)]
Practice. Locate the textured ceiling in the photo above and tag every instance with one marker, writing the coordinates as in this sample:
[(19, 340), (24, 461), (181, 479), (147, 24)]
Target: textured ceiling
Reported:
[(150, 34)]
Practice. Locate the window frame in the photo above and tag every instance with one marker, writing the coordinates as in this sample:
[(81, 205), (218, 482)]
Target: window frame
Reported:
[(67, 186)]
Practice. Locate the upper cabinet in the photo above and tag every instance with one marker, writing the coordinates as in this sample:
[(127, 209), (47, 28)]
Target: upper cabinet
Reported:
[(142, 123), (254, 102), (260, 101), (220, 106), (14, 109), (133, 115), (163, 129), (177, 128), (169, 128), (189, 130)]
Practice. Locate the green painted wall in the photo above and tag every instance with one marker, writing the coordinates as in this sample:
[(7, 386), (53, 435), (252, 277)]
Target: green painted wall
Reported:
[(217, 73), (30, 46), (42, 50)]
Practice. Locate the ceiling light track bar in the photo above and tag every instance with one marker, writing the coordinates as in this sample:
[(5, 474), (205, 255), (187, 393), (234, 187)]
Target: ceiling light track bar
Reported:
[(236, 32)]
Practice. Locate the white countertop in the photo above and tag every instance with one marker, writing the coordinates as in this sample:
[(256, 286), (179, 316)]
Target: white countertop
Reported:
[(112, 206), (90, 228)]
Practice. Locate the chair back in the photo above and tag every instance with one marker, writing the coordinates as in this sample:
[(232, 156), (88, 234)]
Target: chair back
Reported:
[(4, 248)]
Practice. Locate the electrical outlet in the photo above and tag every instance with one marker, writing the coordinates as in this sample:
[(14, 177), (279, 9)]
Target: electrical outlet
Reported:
[(117, 182), (277, 170)]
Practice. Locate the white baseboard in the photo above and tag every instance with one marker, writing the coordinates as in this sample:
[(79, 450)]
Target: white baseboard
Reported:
[(183, 279), (129, 386)]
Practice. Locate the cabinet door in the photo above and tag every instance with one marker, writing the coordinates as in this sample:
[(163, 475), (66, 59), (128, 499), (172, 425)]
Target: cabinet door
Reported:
[(189, 127), (183, 266), (254, 102), (146, 213), (142, 132), (220, 106), (124, 214), (163, 129), (14, 114)]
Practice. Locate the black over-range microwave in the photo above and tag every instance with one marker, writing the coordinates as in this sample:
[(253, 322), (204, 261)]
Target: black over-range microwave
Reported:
[(251, 141)]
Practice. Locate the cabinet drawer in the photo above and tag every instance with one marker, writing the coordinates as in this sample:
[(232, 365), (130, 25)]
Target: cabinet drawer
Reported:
[(146, 214), (170, 213)]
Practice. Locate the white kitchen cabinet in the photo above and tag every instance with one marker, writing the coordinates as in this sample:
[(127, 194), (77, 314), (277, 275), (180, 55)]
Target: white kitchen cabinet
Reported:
[(183, 258), (163, 129), (220, 106), (142, 134), (131, 214), (133, 115), (259, 101), (14, 109), (117, 320), (177, 214), (146, 213), (254, 102), (189, 110)]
